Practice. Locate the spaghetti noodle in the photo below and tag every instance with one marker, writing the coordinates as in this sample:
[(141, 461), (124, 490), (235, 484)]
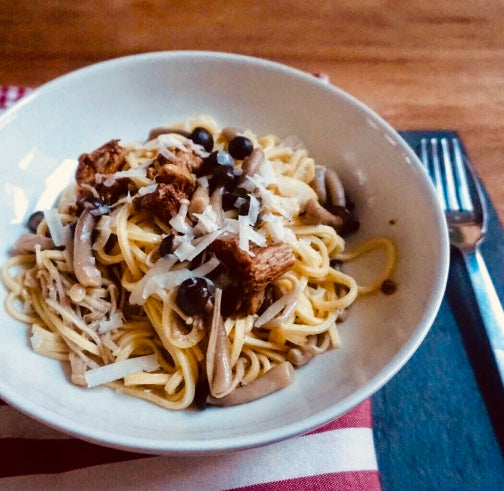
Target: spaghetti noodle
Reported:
[(199, 266)]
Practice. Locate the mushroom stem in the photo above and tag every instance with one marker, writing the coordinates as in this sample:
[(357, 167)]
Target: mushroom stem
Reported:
[(199, 201), (218, 361), (27, 243), (276, 378), (216, 203), (252, 163), (85, 270), (318, 183), (313, 213), (334, 188)]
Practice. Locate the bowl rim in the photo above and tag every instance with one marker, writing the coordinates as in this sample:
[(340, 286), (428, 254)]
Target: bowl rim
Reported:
[(263, 437)]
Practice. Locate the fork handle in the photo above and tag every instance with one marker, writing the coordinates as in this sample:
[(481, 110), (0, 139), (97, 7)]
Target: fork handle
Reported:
[(490, 307)]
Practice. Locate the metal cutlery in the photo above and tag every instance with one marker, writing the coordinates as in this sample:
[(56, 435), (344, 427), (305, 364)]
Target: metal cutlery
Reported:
[(460, 196)]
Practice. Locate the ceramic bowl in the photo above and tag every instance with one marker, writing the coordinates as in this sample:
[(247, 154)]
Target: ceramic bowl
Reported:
[(124, 98)]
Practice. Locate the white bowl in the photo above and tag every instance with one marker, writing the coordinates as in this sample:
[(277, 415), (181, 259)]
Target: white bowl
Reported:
[(124, 98)]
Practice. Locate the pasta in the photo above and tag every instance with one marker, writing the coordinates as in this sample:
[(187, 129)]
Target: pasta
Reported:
[(198, 267)]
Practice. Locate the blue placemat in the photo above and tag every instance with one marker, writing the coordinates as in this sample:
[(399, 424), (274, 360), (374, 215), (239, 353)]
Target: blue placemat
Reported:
[(439, 421)]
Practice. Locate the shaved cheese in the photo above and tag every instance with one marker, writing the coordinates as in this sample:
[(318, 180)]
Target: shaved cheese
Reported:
[(205, 241), (243, 243), (167, 154), (162, 266), (287, 303), (208, 219), (176, 277), (272, 310), (147, 189), (275, 226), (286, 206), (254, 208), (118, 370), (239, 201), (115, 320), (161, 142), (185, 249), (178, 222), (232, 225), (36, 341), (111, 179), (267, 173), (59, 234), (256, 237), (172, 140)]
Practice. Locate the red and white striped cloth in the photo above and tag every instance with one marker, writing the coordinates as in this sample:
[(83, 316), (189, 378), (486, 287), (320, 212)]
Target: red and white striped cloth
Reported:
[(338, 456)]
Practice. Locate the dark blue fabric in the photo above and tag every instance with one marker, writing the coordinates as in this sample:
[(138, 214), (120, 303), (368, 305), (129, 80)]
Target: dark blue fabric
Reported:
[(439, 421)]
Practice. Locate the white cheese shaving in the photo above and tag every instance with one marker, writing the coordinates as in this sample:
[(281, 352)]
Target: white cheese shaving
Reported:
[(205, 241), (36, 341), (275, 227), (243, 243), (185, 249), (59, 234), (178, 222), (167, 154), (111, 179), (166, 140), (163, 265), (254, 208), (239, 201), (208, 219), (232, 225), (118, 370), (147, 189), (267, 173), (256, 237), (115, 320), (174, 278)]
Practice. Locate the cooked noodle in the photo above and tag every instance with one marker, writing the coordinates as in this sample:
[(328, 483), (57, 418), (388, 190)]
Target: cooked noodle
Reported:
[(96, 325)]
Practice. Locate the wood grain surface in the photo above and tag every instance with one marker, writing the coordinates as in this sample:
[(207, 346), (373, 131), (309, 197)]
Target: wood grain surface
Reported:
[(418, 64)]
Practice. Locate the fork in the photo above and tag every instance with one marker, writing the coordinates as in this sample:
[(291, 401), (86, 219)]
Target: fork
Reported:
[(461, 198)]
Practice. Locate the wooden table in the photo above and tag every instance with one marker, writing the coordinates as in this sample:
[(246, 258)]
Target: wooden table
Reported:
[(427, 65)]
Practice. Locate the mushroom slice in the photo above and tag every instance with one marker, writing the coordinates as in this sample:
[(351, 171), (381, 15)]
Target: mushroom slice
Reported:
[(276, 378), (252, 163), (199, 201), (216, 203), (218, 361), (318, 184), (313, 213), (85, 270), (27, 243), (334, 188), (299, 356), (155, 132)]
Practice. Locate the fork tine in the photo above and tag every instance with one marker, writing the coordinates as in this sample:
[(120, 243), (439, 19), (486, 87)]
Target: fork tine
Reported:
[(424, 156), (436, 172), (451, 194), (461, 177)]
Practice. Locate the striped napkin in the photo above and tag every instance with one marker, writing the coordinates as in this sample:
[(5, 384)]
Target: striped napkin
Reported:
[(340, 455)]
